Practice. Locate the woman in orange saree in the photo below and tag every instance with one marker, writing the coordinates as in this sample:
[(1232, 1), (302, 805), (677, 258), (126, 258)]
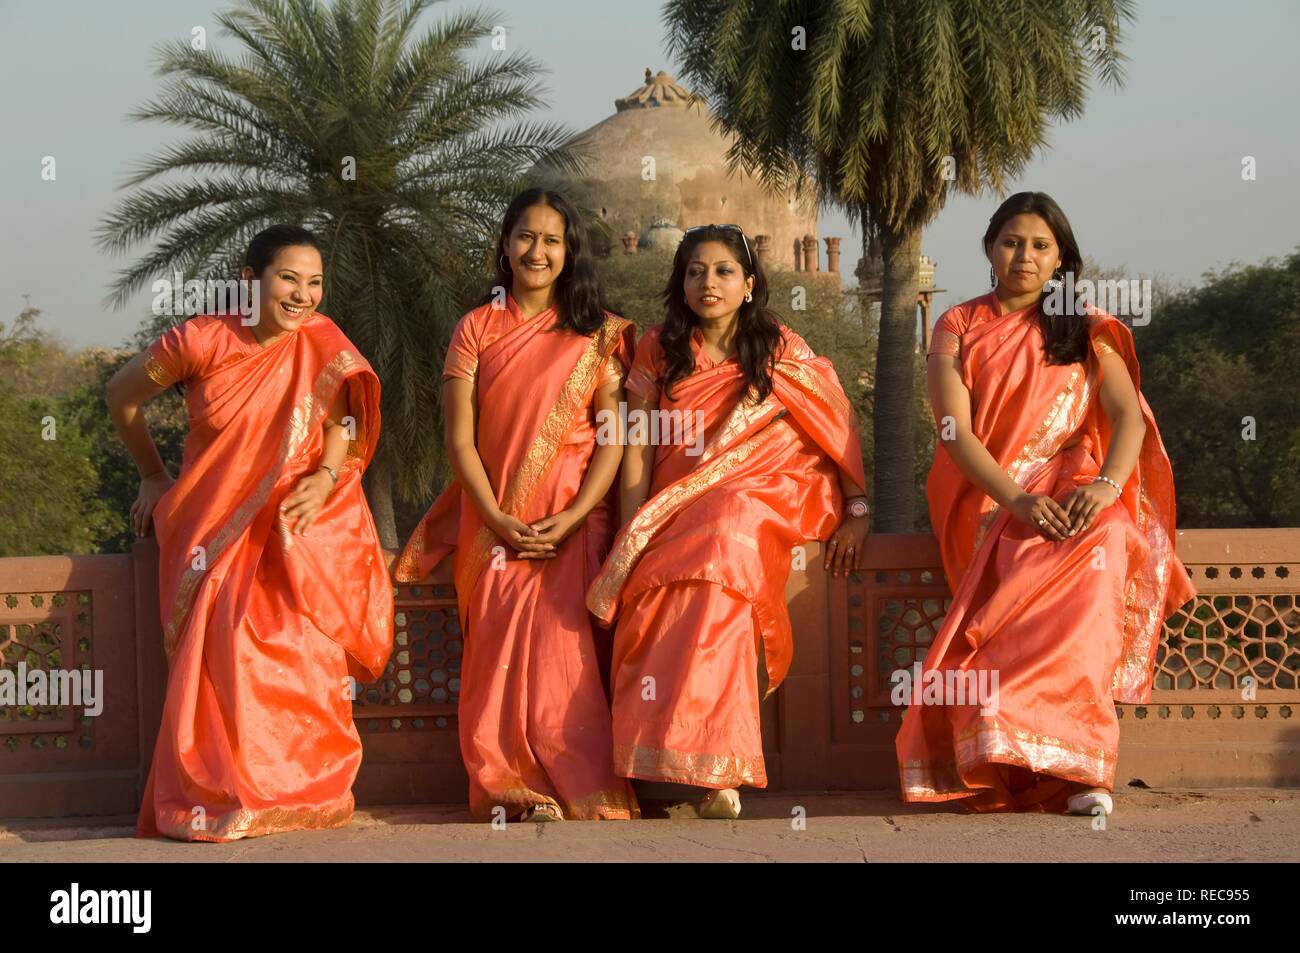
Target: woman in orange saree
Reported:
[(1053, 502), (697, 576), (529, 522), (262, 620)]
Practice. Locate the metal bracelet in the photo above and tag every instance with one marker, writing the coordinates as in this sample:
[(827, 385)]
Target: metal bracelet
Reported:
[(334, 474)]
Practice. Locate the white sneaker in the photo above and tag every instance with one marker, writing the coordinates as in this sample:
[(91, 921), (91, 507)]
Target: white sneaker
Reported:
[(721, 805), (1087, 802)]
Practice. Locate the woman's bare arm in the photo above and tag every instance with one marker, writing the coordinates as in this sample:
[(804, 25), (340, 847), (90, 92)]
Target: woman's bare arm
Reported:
[(128, 390), (638, 464), (1119, 401), (460, 416), (557, 527), (126, 393), (605, 461)]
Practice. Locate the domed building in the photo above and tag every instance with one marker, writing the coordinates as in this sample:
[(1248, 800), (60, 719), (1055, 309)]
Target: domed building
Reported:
[(656, 167)]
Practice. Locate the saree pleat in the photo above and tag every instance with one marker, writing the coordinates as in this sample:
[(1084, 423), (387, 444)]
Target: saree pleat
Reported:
[(1066, 627)]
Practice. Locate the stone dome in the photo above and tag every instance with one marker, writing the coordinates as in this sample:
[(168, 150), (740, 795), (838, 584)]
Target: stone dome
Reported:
[(657, 160)]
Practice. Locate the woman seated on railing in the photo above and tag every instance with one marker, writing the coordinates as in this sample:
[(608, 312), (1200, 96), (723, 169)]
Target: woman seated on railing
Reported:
[(1058, 593), (262, 621), (760, 454)]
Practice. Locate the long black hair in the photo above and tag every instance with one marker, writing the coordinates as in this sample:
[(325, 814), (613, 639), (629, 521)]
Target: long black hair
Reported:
[(266, 243), (1065, 336), (579, 297), (758, 330)]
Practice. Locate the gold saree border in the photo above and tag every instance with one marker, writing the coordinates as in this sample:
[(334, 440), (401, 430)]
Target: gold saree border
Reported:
[(748, 411), (541, 454), (256, 822), (741, 418), (409, 560), (811, 381), (722, 455), (157, 373), (633, 539), (1064, 416), (307, 414), (688, 767), (1145, 594), (992, 742), (598, 806)]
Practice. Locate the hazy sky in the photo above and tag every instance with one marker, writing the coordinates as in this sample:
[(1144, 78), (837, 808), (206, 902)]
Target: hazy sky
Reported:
[(1150, 176)]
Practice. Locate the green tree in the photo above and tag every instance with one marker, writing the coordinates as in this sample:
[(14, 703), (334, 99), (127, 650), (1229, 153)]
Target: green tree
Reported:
[(1218, 364), (48, 480), (394, 148), (884, 108)]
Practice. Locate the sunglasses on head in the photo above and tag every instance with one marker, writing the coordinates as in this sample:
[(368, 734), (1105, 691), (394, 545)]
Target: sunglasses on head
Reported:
[(728, 228)]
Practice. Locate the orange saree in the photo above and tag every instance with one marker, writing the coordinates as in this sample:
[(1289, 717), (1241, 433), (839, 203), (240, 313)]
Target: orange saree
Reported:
[(697, 578), (1067, 627), (533, 715), (260, 626)]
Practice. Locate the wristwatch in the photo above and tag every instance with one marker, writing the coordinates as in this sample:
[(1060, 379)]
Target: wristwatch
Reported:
[(858, 507)]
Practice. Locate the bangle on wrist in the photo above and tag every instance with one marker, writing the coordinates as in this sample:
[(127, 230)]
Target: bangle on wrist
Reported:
[(1119, 490), (334, 474)]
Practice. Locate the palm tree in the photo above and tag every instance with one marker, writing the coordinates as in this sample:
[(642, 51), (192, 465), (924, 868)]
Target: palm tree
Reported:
[(393, 148), (886, 107)]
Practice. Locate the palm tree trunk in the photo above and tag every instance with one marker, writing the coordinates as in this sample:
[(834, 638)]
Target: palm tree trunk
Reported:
[(378, 483), (894, 403)]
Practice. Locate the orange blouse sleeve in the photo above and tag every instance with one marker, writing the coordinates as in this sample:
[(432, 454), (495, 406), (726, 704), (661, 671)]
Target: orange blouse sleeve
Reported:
[(947, 334), (462, 351), (647, 368), (178, 355), (1103, 342), (611, 373)]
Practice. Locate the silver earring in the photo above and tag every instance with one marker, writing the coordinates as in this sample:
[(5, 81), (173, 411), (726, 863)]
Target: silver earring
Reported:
[(501, 259), (749, 296), (993, 277), (1053, 282)]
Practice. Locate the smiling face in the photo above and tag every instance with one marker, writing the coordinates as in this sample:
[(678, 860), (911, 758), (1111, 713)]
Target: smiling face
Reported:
[(290, 288), (535, 249), (715, 283), (1025, 254)]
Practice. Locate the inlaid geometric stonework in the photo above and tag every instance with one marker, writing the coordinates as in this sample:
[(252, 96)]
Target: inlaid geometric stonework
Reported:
[(420, 686), (46, 631)]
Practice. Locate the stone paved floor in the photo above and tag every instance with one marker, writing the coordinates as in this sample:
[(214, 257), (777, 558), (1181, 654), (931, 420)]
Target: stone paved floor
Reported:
[(1237, 824)]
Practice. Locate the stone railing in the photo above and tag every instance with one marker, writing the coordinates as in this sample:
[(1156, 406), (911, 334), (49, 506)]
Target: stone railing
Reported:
[(1222, 713)]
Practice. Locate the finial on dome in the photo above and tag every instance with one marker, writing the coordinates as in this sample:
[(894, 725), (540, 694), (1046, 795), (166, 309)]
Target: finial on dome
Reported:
[(658, 89)]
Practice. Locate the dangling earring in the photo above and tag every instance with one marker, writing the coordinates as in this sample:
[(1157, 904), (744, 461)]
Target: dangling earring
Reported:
[(1054, 282), (501, 259), (993, 277), (749, 296)]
